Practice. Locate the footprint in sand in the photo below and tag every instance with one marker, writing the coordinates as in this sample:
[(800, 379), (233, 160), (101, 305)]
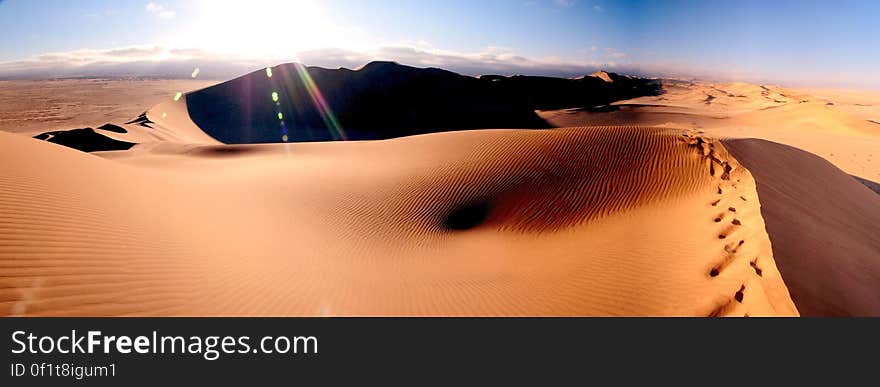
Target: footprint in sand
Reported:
[(739, 294), (754, 265), (728, 231), (726, 307), (733, 247)]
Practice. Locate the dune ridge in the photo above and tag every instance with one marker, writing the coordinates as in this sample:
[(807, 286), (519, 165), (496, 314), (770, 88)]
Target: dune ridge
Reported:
[(384, 100), (823, 225), (813, 153)]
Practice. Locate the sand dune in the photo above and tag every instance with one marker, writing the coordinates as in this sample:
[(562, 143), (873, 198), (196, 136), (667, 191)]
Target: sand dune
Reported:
[(629, 208), (295, 103), (383, 100), (823, 225), (824, 127), (31, 107), (602, 221), (823, 222)]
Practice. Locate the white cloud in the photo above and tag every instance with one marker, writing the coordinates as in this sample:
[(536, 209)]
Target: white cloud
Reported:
[(614, 54), (179, 62), (564, 3), (159, 10), (156, 60), (597, 8)]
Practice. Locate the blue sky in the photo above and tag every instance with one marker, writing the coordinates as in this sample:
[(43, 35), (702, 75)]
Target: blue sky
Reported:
[(800, 43)]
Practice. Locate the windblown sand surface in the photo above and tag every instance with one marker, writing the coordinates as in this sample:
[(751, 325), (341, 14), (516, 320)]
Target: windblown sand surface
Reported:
[(652, 215), (824, 224), (35, 106), (603, 221), (839, 130), (824, 228)]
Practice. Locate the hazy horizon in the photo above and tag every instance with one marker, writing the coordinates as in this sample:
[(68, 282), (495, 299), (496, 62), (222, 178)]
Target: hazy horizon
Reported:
[(803, 43)]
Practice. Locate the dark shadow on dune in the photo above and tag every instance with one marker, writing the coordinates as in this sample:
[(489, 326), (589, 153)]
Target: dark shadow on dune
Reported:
[(141, 120), (384, 100), (612, 108), (84, 139), (224, 150), (824, 227), (467, 216), (874, 186)]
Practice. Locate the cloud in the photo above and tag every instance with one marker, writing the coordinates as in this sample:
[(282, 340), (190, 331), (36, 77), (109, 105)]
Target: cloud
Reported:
[(159, 10), (157, 60), (598, 8), (179, 62), (492, 60), (564, 3), (144, 60), (135, 51), (614, 54)]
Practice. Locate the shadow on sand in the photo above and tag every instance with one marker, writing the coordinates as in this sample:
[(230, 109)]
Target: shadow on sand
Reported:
[(385, 99)]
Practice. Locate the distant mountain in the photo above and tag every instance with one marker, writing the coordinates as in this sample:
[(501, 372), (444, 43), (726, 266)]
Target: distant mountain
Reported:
[(292, 102)]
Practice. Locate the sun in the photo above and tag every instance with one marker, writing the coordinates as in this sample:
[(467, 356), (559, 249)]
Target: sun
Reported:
[(263, 29)]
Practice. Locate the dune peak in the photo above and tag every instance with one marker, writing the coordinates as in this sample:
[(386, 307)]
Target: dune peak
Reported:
[(603, 75)]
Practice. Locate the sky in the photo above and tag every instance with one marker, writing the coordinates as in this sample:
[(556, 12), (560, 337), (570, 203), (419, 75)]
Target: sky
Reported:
[(792, 43)]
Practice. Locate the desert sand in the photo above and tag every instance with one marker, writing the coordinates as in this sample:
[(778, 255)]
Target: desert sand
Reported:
[(839, 130), (35, 106), (476, 223), (808, 151), (661, 205)]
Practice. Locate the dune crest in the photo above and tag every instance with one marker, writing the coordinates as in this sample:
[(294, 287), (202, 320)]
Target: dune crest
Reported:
[(383, 100), (603, 76), (823, 224)]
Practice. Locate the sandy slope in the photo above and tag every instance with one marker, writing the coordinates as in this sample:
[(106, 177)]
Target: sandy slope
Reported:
[(824, 227), (823, 223), (581, 221), (35, 106), (603, 221), (835, 125)]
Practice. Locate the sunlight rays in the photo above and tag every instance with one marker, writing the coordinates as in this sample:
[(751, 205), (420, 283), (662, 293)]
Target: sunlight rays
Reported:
[(292, 98), (330, 121)]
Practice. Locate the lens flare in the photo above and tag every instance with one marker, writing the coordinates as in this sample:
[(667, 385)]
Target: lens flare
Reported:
[(177, 96), (318, 99), (195, 72), (275, 96), (269, 72)]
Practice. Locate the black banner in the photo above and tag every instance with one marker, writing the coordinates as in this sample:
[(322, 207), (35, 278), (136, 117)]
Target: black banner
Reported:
[(414, 351)]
